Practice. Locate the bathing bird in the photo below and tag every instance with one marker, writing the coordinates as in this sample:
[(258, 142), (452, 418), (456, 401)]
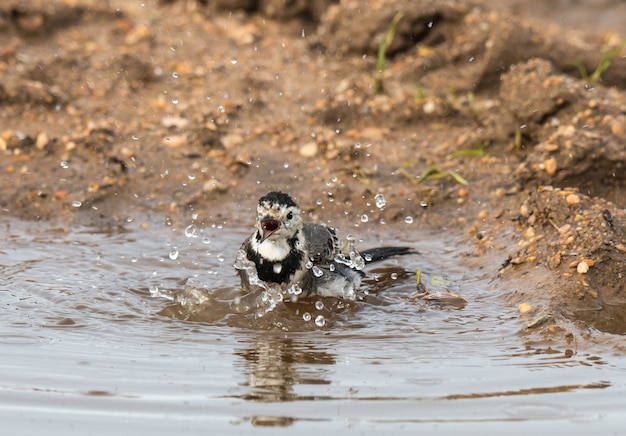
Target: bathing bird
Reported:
[(300, 257)]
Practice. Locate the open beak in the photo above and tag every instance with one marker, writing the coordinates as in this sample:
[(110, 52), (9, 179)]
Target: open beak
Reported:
[(269, 226)]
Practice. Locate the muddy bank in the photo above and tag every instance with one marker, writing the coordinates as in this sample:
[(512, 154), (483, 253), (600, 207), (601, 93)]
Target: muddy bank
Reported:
[(484, 124)]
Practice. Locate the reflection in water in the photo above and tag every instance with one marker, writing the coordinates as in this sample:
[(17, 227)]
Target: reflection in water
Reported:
[(274, 365)]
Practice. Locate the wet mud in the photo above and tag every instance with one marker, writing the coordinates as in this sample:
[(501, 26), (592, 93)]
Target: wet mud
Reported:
[(494, 123)]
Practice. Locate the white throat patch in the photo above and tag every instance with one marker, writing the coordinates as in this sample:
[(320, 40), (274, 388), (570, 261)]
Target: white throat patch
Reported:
[(272, 249)]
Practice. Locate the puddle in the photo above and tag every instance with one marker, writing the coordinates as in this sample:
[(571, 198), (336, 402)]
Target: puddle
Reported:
[(143, 328)]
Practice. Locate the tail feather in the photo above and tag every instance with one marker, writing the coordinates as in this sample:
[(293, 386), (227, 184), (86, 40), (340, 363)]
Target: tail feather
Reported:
[(380, 253)]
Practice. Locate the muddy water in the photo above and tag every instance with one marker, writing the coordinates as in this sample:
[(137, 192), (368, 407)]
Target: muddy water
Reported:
[(141, 328)]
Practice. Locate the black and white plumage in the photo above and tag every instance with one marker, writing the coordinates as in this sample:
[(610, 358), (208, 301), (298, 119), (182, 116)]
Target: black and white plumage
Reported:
[(301, 257)]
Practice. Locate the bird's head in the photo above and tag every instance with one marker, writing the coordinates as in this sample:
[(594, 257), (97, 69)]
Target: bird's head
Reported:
[(278, 216)]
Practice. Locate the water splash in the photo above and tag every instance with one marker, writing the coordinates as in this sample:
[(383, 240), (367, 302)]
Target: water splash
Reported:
[(354, 260)]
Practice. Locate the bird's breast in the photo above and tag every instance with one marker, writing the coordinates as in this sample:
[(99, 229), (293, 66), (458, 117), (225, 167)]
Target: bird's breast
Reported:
[(276, 269)]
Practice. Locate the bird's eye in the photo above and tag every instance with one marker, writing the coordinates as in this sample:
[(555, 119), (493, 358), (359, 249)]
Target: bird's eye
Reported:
[(290, 215)]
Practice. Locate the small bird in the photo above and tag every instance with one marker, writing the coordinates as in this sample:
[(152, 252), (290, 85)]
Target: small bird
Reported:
[(301, 257)]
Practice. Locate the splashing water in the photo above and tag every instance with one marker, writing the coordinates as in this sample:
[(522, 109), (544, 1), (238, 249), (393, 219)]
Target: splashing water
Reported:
[(354, 260)]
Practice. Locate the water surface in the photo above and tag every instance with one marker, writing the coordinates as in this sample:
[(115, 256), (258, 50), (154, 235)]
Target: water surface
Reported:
[(142, 328)]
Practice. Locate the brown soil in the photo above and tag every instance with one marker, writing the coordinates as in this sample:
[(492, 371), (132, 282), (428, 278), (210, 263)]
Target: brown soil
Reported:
[(169, 109)]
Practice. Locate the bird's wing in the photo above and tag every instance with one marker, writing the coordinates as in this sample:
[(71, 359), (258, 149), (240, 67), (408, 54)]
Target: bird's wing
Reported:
[(322, 244)]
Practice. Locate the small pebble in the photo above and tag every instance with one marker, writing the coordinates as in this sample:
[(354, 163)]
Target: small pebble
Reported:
[(309, 149), (41, 141), (572, 199), (565, 228), (231, 141), (174, 122), (524, 307), (213, 185), (175, 140), (429, 107), (550, 166), (618, 126), (582, 267)]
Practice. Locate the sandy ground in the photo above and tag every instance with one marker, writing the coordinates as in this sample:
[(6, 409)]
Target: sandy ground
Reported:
[(486, 120)]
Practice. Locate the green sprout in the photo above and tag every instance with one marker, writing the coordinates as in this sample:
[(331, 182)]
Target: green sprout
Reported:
[(420, 93), (605, 63), (403, 168), (436, 173), (382, 52), (479, 152), (429, 173)]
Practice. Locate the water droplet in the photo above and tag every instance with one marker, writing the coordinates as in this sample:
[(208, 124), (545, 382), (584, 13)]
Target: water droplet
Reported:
[(308, 265), (294, 290), (191, 176), (364, 218), (64, 165), (317, 272), (220, 257), (286, 165), (277, 267), (191, 231), (175, 101), (424, 203), (367, 257), (233, 60), (394, 276), (408, 220), (357, 261), (380, 201), (320, 321), (174, 254), (303, 34), (206, 240), (135, 138), (331, 267), (306, 316), (175, 75), (76, 203), (319, 304), (221, 109)]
